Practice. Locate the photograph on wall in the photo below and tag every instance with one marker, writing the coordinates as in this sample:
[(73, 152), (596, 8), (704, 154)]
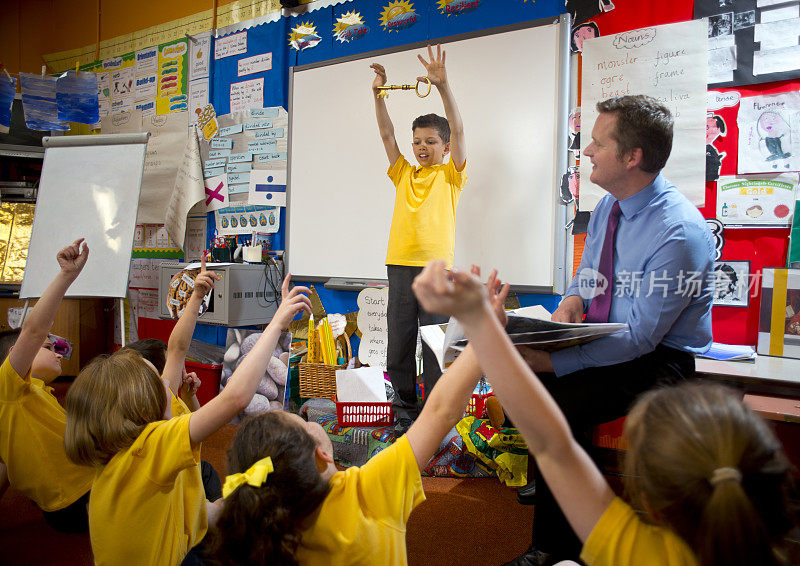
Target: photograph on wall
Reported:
[(751, 41), (731, 283), (754, 201)]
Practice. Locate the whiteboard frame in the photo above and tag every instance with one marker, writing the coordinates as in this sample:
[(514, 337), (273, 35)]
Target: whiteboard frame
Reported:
[(41, 266), (561, 276)]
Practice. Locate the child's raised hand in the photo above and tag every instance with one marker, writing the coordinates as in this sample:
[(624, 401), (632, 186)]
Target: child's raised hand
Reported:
[(190, 383), (451, 293), (73, 257), (437, 73), (498, 292), (204, 282), (292, 302), (380, 76)]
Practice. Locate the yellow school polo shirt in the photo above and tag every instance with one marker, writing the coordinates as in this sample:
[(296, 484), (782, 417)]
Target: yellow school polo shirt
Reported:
[(620, 537), (32, 443), (363, 519), (424, 219), (145, 508)]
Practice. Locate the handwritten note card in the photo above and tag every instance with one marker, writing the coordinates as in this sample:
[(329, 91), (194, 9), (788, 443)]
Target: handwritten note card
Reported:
[(247, 94), (234, 44), (255, 64), (666, 62)]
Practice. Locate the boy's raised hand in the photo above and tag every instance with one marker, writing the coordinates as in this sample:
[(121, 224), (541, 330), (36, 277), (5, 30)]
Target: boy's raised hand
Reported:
[(204, 282), (380, 76), (73, 257), (451, 293), (437, 73), (292, 302)]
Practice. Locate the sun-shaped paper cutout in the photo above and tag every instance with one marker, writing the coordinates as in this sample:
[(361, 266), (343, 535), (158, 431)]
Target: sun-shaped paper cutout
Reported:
[(345, 21), (299, 38), (394, 9)]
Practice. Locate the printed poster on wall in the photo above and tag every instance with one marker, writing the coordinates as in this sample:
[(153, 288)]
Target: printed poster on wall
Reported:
[(769, 133), (172, 77), (199, 56), (756, 201), (667, 62)]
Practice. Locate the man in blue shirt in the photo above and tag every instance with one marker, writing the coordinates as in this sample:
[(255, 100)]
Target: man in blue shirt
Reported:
[(648, 262)]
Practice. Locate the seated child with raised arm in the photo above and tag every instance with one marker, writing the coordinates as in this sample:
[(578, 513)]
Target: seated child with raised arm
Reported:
[(286, 503), (709, 473), (144, 509), (169, 361), (423, 226), (32, 457)]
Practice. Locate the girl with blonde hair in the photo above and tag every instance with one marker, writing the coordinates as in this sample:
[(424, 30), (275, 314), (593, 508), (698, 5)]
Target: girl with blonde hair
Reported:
[(709, 473), (147, 504)]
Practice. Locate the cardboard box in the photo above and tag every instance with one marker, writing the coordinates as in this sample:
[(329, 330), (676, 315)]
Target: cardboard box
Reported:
[(779, 318)]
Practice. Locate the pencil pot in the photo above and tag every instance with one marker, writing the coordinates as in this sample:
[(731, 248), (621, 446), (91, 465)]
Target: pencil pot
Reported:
[(318, 381)]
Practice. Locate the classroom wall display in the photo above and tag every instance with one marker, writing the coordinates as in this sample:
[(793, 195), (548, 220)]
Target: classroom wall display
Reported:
[(508, 216), (168, 135), (246, 219), (756, 201), (188, 191), (751, 41), (732, 283), (76, 96), (152, 79), (358, 26), (769, 133), (39, 103), (8, 87), (104, 174), (242, 78), (254, 139), (667, 62), (199, 71)]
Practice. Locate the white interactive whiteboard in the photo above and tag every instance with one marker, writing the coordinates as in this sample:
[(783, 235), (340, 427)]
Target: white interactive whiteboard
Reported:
[(512, 89), (89, 189)]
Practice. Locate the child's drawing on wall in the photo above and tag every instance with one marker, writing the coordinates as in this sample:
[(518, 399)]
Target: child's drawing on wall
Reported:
[(772, 128), (768, 133)]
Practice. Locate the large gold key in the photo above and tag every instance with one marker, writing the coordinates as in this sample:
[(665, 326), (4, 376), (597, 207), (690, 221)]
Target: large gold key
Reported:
[(383, 90)]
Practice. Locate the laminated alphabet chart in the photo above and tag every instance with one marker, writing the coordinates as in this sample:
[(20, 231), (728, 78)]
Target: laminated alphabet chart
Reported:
[(250, 147), (668, 63)]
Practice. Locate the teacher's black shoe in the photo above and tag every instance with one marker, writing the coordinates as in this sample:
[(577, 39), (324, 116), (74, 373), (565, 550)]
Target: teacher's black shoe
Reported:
[(532, 557), (526, 495)]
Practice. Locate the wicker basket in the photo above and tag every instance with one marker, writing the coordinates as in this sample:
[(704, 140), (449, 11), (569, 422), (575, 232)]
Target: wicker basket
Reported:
[(318, 381)]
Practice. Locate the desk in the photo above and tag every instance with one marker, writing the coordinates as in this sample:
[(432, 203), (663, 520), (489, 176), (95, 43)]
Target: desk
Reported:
[(767, 375)]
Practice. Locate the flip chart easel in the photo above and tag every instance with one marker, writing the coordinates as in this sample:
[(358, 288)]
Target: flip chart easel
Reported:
[(89, 189)]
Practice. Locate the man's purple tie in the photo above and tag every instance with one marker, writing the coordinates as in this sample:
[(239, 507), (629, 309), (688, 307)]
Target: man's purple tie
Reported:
[(601, 304)]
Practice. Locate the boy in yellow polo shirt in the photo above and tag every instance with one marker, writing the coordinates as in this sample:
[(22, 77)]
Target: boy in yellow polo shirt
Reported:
[(423, 227), (32, 455)]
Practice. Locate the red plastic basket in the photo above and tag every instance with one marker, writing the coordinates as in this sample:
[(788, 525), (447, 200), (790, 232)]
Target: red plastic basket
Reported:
[(477, 405), (209, 375), (364, 414)]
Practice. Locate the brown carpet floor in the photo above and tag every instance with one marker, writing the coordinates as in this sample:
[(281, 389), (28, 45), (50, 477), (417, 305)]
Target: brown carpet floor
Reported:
[(463, 521)]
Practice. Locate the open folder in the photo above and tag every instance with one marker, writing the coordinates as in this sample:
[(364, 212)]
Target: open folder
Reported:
[(529, 326)]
